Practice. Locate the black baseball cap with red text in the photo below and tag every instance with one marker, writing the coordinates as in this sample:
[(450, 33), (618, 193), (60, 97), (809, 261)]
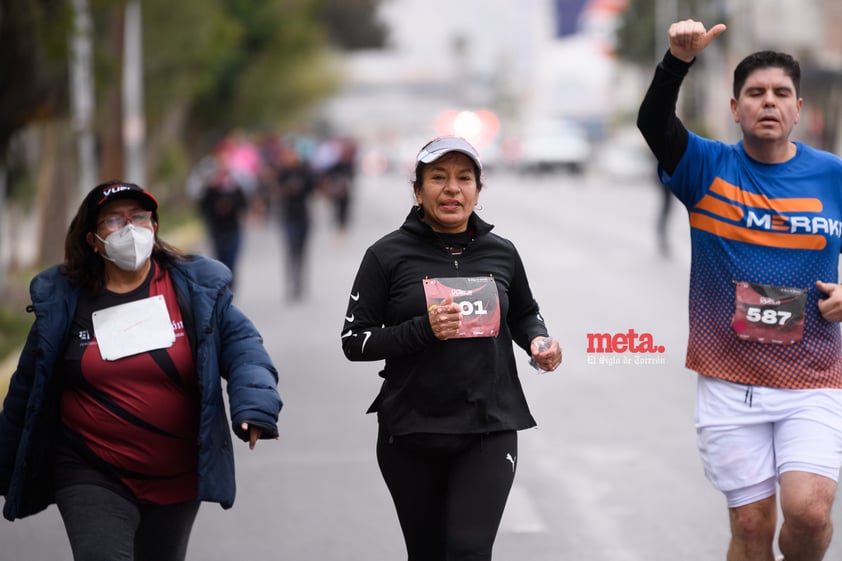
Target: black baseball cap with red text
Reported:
[(114, 191)]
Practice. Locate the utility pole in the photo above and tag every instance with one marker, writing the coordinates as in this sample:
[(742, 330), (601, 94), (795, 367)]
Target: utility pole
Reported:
[(82, 96), (134, 124)]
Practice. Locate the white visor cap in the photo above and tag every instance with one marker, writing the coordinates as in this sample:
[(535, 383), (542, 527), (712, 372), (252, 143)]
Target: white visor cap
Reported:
[(440, 146)]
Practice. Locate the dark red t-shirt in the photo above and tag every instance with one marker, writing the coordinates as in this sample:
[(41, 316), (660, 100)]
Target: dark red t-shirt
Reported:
[(130, 424)]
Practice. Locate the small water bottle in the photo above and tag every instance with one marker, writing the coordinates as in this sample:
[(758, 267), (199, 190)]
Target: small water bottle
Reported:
[(544, 344)]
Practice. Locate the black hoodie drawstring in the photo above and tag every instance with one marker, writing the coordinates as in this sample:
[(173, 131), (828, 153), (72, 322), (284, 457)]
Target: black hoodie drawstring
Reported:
[(749, 395)]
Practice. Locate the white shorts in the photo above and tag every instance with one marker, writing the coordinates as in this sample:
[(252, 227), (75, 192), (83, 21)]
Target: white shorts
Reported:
[(748, 435)]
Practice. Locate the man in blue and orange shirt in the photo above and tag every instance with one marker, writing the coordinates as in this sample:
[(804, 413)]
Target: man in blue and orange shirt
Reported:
[(766, 229)]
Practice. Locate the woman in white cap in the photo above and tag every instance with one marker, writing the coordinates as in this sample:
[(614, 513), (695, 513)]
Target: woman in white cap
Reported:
[(440, 300), (115, 411)]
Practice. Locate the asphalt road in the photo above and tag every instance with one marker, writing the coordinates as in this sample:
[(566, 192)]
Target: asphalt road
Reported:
[(610, 474)]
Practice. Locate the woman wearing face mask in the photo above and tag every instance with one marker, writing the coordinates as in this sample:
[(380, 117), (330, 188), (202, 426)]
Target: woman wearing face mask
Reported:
[(115, 411)]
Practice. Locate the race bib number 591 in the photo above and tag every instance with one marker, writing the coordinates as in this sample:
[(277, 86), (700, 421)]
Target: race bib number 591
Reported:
[(769, 314), (478, 299)]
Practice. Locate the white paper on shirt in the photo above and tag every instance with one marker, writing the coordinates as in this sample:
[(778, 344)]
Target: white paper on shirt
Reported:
[(133, 328)]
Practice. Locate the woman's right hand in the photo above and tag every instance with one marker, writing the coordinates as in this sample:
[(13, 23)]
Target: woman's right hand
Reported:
[(445, 319)]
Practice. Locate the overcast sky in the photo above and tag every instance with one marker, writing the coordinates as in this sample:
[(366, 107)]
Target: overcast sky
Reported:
[(424, 30)]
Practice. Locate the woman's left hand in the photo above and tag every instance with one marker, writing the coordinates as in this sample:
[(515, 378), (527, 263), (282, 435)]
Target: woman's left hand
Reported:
[(253, 432), (547, 360)]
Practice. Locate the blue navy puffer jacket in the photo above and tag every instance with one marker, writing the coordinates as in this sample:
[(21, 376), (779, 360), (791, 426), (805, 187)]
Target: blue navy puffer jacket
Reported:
[(225, 345)]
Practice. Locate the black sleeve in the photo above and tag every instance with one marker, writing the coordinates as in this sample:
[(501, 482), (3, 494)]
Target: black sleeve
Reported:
[(365, 335), (524, 319), (663, 130), (13, 410)]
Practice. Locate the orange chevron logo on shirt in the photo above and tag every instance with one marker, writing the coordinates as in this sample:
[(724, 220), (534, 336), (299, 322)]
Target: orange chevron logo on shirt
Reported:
[(738, 215)]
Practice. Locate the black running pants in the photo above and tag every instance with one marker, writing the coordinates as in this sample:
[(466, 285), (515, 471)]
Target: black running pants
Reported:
[(449, 490)]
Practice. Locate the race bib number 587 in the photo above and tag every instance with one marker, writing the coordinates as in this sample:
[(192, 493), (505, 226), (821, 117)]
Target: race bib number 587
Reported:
[(769, 314), (476, 296)]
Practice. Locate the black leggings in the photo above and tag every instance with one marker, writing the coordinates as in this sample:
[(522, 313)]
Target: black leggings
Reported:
[(449, 490), (103, 526)]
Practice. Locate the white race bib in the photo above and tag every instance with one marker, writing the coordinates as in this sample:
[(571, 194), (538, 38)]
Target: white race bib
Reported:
[(133, 328)]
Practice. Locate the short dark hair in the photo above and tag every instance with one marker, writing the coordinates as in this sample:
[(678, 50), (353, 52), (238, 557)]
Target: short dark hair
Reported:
[(767, 59)]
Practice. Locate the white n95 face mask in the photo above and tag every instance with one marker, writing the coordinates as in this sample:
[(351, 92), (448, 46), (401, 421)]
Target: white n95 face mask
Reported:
[(129, 247)]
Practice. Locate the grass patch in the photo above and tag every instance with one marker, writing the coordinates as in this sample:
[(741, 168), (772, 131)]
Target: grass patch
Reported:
[(14, 325)]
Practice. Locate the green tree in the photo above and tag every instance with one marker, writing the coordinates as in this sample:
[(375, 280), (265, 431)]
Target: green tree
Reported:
[(275, 66), (243, 64), (213, 65), (636, 33), (33, 64), (209, 67), (642, 33), (350, 24)]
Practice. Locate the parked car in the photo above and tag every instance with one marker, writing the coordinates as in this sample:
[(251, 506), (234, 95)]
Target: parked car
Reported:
[(553, 145)]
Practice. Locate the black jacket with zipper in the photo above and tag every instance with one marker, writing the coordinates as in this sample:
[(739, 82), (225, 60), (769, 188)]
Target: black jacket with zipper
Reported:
[(458, 386)]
